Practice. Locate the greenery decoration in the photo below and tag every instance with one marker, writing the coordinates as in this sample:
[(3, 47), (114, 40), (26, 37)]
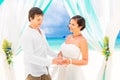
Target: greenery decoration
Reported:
[(106, 50), (6, 46)]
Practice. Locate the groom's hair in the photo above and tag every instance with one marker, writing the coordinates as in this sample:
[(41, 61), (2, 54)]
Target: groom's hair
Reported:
[(34, 11)]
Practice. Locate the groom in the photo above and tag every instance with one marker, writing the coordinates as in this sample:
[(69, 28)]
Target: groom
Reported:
[(36, 49)]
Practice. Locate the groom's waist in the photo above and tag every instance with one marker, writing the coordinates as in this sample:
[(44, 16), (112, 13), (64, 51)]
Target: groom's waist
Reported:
[(36, 71)]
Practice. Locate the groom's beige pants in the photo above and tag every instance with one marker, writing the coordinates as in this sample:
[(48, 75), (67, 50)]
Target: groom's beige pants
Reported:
[(43, 77)]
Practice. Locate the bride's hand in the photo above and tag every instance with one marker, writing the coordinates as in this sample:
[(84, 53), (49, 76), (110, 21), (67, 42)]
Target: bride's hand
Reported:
[(58, 61), (66, 61)]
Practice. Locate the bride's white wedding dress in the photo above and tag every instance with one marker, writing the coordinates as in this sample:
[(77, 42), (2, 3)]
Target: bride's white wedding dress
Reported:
[(70, 72)]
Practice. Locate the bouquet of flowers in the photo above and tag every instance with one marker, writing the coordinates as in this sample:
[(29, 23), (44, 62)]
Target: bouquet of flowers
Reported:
[(106, 50), (6, 46)]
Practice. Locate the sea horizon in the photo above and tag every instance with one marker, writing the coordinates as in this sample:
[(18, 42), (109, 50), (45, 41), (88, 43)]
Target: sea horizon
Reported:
[(56, 42)]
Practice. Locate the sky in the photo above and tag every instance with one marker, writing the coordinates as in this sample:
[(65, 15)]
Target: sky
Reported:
[(56, 20)]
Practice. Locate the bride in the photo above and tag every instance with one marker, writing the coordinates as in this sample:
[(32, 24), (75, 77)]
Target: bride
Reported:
[(74, 51)]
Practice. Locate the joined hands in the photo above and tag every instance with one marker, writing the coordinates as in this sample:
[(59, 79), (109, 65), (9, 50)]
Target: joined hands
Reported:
[(60, 60)]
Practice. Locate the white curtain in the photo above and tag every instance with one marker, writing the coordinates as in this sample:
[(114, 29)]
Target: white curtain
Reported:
[(13, 20), (102, 19)]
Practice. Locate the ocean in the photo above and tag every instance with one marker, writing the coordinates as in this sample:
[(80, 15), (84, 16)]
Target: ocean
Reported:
[(55, 43)]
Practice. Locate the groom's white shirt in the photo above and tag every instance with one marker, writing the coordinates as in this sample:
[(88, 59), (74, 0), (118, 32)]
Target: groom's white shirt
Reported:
[(36, 49)]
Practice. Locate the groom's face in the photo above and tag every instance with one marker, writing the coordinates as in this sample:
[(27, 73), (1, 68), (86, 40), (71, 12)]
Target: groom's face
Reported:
[(36, 21)]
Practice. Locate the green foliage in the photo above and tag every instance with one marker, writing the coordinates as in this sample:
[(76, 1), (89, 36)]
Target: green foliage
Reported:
[(6, 46), (106, 50)]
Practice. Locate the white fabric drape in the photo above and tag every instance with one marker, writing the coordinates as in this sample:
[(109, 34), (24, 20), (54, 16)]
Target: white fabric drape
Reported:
[(7, 72), (102, 19), (13, 20)]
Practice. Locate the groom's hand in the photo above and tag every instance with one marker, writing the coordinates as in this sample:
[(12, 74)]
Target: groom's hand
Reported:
[(65, 61), (60, 54), (58, 61)]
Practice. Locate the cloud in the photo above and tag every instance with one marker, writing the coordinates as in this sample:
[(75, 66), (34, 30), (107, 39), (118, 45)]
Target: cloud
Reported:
[(56, 20), (55, 17), (55, 13)]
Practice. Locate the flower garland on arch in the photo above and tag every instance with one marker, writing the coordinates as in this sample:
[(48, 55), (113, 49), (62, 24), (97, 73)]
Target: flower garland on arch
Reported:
[(6, 46)]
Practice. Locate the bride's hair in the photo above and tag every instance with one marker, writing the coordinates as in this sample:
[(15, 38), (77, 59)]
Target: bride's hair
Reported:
[(80, 21)]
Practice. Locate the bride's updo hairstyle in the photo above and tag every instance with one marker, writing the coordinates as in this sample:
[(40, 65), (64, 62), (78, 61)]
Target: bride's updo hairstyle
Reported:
[(80, 21)]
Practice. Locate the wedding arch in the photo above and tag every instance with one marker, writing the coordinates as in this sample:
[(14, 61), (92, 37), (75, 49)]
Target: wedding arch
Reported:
[(102, 18)]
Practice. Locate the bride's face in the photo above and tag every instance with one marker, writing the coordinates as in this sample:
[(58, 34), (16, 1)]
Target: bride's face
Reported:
[(74, 26)]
